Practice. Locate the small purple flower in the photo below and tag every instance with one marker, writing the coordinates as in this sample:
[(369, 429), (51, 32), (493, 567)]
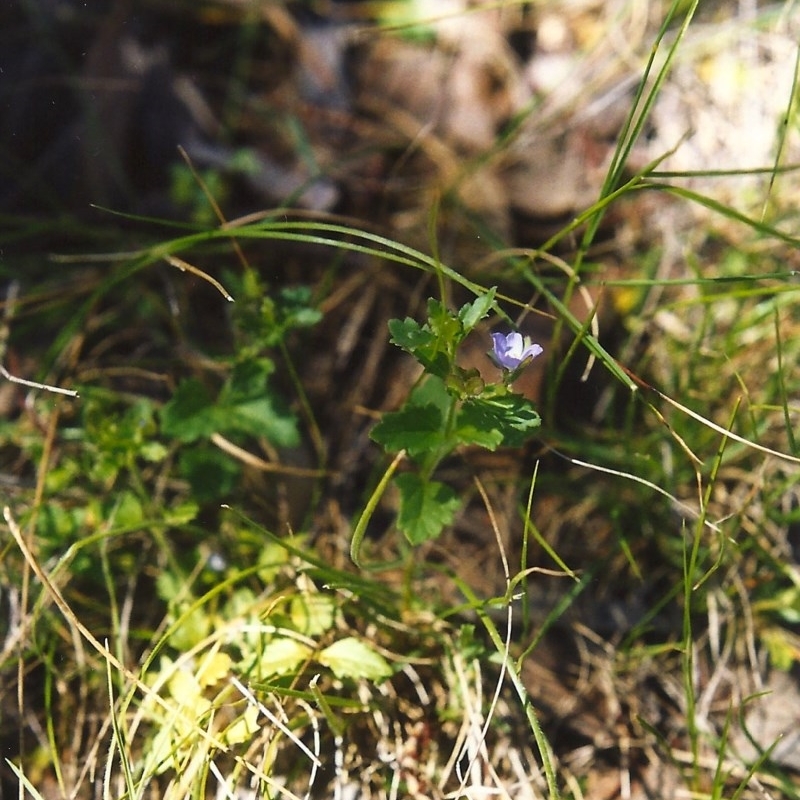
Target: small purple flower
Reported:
[(510, 351)]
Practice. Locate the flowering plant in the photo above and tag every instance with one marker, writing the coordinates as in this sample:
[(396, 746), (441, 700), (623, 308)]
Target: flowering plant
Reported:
[(450, 407), (512, 352)]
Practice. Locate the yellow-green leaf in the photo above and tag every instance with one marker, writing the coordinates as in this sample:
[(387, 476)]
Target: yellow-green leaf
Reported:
[(782, 650), (213, 668), (282, 655), (243, 728), (352, 658), (312, 613), (185, 687)]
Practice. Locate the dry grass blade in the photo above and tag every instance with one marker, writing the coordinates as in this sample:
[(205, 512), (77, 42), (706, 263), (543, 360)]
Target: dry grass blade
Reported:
[(36, 385), (185, 266), (62, 605)]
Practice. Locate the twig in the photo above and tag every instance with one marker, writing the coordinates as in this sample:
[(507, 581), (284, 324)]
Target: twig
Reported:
[(8, 313), (35, 385)]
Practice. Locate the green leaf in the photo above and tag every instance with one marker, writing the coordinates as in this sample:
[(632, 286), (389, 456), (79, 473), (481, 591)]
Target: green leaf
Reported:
[(181, 514), (417, 429), (512, 416), (409, 334), (432, 391), (190, 414), (421, 343), (246, 405), (472, 313), (265, 417), (463, 383), (296, 309), (352, 658), (211, 473), (312, 613), (116, 435), (214, 666), (154, 452), (169, 585), (468, 645), (426, 506), (271, 560), (277, 315), (445, 326), (782, 650), (474, 426), (125, 509), (193, 626), (243, 728), (247, 381), (282, 655)]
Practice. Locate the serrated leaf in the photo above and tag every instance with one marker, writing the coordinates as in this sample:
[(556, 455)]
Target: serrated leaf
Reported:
[(245, 405), (512, 415), (425, 507), (417, 429), (282, 655), (474, 427), (472, 313), (421, 343), (409, 334), (352, 658), (445, 325), (190, 414)]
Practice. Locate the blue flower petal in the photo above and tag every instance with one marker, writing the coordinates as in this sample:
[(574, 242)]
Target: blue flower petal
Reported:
[(510, 351)]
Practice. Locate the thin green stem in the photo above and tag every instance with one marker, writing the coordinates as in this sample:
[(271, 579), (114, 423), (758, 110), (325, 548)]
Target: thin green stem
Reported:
[(313, 428), (369, 510), (543, 746), (435, 457)]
